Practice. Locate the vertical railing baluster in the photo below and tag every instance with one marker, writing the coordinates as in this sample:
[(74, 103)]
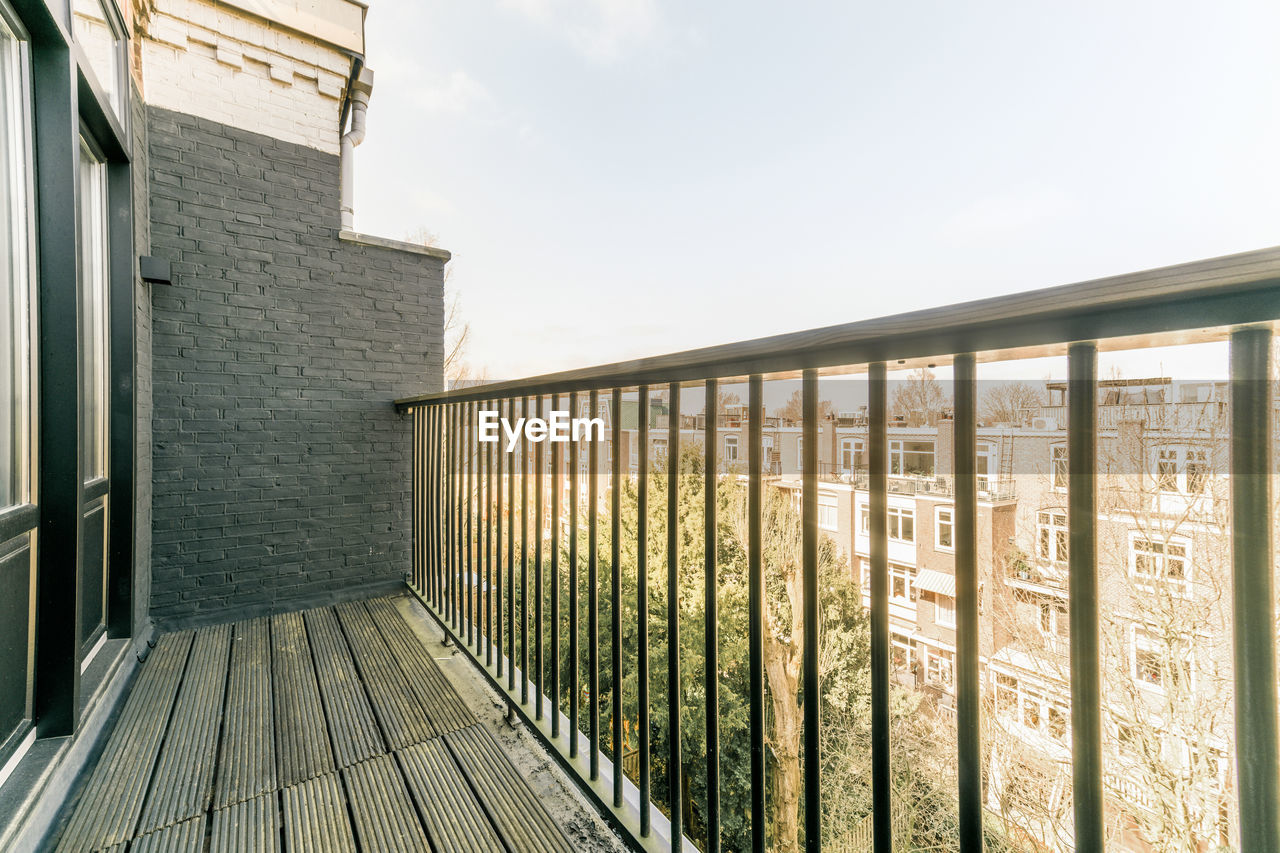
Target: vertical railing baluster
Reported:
[(968, 699), (489, 480), (573, 581), (711, 618), (615, 599), (555, 579), (642, 605), (415, 496), (498, 514), (437, 510), (674, 761), (451, 570), (1082, 582), (878, 506), (755, 606), (809, 585), (511, 555), (593, 591), (469, 460), (537, 573), (524, 559), (1253, 582)]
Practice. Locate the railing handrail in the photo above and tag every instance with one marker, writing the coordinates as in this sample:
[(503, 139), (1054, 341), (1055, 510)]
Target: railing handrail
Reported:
[(1216, 290)]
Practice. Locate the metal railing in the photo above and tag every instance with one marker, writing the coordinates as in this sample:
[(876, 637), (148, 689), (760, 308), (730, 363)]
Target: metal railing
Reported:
[(469, 503)]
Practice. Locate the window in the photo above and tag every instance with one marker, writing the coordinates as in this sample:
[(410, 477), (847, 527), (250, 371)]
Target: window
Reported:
[(659, 448), (901, 651), (95, 32), (1182, 470), (730, 449), (911, 458), (1154, 561), (1006, 694), (986, 465), (902, 583), (1160, 663), (851, 458), (902, 524), (92, 266), (1058, 470), (15, 273), (944, 528), (1051, 536), (800, 453), (944, 611), (828, 512), (938, 667)]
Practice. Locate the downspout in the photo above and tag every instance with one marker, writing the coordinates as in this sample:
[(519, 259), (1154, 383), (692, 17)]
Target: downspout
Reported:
[(359, 90)]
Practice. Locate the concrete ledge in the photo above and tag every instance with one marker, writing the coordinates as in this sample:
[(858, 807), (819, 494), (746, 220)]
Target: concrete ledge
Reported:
[(397, 245)]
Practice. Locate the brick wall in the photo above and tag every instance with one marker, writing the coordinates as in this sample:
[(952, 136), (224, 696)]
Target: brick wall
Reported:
[(281, 470)]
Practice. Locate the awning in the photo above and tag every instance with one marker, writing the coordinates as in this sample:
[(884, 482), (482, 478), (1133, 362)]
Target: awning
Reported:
[(940, 582)]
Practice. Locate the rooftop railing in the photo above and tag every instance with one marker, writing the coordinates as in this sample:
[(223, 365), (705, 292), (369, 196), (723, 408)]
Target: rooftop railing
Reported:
[(501, 586)]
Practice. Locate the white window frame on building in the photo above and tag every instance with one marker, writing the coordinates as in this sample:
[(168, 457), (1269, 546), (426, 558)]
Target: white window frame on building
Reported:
[(1052, 536), (730, 449), (902, 523), (851, 458), (658, 448), (800, 454), (907, 461), (939, 666), (1182, 469), (944, 517), (1142, 647), (902, 583), (1059, 471), (1151, 558), (944, 610), (828, 511)]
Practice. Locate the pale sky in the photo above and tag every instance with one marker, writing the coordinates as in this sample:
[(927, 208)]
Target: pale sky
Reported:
[(619, 178)]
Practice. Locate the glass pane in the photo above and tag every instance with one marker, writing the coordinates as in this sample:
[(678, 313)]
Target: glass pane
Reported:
[(15, 320), (1023, 605), (96, 36), (1164, 576), (93, 298)]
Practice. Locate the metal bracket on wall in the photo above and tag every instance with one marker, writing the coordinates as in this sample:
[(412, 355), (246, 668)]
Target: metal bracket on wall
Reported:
[(154, 270)]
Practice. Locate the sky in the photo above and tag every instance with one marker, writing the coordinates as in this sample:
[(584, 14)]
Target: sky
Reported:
[(622, 178)]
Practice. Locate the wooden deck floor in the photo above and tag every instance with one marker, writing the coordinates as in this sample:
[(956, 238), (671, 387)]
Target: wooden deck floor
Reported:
[(331, 729)]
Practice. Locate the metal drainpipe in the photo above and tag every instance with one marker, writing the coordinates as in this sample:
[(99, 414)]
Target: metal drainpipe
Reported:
[(361, 89)]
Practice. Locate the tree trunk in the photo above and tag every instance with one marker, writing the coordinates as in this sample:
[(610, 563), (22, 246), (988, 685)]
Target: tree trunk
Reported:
[(782, 659)]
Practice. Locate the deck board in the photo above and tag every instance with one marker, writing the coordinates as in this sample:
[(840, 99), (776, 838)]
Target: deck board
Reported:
[(182, 784), (332, 729), (302, 740), (247, 757)]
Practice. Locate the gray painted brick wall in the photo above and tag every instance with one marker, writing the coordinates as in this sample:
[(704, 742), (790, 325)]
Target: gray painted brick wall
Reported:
[(281, 470)]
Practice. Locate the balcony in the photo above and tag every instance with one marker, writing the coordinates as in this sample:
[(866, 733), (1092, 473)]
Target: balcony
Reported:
[(329, 729)]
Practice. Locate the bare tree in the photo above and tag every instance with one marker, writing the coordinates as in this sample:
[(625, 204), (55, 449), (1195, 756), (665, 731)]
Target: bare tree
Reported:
[(793, 410), (457, 329), (919, 399), (1009, 402)]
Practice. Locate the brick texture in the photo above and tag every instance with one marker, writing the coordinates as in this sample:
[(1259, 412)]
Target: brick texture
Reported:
[(281, 470)]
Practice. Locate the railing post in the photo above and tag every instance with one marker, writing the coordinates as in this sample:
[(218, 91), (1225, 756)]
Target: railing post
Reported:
[(451, 575), (755, 630), (711, 619), (1252, 526), (675, 769), (615, 422), (593, 592), (809, 585), (642, 605), (1086, 667), (968, 698), (468, 485), (878, 507), (555, 580)]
